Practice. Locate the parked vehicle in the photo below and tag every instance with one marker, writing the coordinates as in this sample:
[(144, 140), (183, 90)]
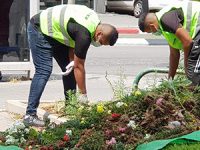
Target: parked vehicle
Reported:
[(135, 7)]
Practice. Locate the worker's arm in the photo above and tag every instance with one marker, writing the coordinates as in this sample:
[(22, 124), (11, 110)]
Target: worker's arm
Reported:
[(79, 72), (82, 39), (186, 40), (173, 62)]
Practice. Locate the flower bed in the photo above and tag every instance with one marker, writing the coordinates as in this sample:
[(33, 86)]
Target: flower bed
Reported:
[(166, 111)]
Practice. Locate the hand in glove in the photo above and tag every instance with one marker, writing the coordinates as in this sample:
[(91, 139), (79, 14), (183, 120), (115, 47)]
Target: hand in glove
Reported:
[(82, 98), (69, 68)]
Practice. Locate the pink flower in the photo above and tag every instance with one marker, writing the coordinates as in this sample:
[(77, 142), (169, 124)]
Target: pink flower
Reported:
[(111, 142), (122, 130), (159, 101), (108, 133)]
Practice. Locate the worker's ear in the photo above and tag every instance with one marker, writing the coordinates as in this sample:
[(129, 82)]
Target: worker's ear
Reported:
[(152, 27), (99, 34)]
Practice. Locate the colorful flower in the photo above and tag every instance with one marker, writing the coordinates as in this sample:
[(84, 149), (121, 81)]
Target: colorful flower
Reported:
[(66, 138), (109, 111), (116, 116), (69, 132), (132, 124), (137, 93), (108, 133), (100, 108), (147, 136), (122, 130), (111, 142), (119, 104)]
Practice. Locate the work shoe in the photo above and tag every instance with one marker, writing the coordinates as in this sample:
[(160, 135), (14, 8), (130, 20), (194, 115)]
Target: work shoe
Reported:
[(33, 120)]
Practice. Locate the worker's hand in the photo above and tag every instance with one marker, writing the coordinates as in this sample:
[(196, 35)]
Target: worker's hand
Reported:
[(69, 68), (82, 99)]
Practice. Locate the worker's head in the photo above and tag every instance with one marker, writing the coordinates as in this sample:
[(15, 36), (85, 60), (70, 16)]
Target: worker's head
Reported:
[(105, 34), (148, 22)]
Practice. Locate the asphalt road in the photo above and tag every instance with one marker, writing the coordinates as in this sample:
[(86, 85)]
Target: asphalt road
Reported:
[(130, 59)]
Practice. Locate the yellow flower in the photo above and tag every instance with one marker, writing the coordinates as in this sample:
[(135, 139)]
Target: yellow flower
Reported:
[(137, 93), (100, 108)]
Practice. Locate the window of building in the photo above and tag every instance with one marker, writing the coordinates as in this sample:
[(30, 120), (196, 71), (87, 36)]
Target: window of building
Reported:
[(14, 16)]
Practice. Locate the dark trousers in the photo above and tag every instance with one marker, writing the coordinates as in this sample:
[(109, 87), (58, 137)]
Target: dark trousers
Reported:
[(43, 49), (193, 70)]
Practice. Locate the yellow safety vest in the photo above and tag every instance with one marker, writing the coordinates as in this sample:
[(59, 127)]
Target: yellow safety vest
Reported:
[(54, 20)]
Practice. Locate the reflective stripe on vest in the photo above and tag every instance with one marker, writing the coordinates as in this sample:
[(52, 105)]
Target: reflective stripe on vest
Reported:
[(49, 22), (62, 29), (198, 26), (62, 24)]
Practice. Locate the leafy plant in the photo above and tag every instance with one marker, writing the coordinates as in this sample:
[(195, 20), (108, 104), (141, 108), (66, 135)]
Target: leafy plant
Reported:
[(16, 134)]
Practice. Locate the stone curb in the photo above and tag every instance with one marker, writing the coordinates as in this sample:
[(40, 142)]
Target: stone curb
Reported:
[(19, 107)]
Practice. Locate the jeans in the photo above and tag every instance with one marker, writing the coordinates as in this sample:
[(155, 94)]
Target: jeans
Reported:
[(43, 49)]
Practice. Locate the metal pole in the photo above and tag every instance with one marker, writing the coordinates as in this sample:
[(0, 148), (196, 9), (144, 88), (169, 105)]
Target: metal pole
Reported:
[(34, 9), (151, 70), (71, 1), (145, 6), (95, 5)]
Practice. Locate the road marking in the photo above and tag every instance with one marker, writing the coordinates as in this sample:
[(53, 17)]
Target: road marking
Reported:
[(2, 110), (132, 41)]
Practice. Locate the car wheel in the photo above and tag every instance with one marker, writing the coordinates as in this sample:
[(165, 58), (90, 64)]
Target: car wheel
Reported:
[(138, 9)]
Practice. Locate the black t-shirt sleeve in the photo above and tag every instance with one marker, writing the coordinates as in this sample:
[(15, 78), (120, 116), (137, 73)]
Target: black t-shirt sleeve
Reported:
[(172, 20), (82, 38)]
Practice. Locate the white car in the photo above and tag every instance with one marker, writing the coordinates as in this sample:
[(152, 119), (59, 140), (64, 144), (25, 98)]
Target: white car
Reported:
[(135, 6)]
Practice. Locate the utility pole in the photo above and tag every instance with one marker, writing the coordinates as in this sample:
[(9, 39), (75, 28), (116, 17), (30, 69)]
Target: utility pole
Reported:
[(71, 1), (145, 6), (99, 6)]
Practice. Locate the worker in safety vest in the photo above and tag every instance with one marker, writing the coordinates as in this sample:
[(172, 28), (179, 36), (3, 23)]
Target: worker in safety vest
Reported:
[(63, 32), (180, 25)]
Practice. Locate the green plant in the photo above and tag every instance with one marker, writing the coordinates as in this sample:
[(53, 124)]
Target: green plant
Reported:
[(118, 87), (16, 134)]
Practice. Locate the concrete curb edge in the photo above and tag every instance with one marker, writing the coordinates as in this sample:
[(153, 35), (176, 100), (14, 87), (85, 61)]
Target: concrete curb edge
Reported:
[(19, 107)]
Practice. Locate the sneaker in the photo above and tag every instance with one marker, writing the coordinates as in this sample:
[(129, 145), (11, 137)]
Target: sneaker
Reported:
[(33, 120)]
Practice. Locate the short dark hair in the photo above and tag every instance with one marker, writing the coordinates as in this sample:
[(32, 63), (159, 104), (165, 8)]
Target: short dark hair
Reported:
[(141, 21), (113, 36)]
